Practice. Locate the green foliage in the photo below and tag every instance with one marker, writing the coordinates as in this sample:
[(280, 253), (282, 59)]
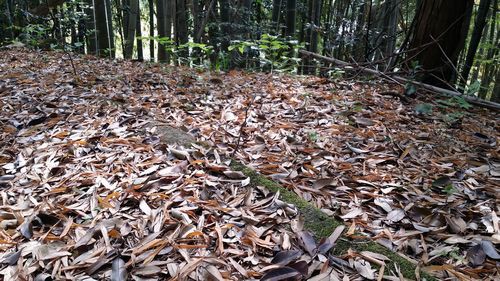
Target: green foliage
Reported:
[(228, 47), (176, 51), (34, 34), (269, 52), (456, 255), (453, 116), (50, 31), (202, 54), (449, 190), (357, 107), (473, 88), (335, 73), (313, 136), (410, 89), (423, 108), (455, 101)]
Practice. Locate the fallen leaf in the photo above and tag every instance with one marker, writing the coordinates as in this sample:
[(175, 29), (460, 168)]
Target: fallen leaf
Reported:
[(281, 273), (364, 269)]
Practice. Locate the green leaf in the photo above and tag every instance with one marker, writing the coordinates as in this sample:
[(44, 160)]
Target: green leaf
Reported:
[(410, 89), (449, 189), (423, 108), (313, 136)]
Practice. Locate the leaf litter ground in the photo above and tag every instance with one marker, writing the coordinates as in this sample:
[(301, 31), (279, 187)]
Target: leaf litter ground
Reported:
[(98, 181)]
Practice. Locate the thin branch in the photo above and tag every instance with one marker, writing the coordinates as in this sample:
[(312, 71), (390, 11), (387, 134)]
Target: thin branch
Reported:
[(70, 60), (199, 32), (242, 127), (447, 58)]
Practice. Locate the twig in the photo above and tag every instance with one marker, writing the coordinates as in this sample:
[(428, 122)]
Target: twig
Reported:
[(70, 60), (243, 126)]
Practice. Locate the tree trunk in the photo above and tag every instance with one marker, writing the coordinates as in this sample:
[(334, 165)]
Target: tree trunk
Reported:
[(358, 50), (138, 32), (151, 30), (474, 40), (291, 12), (495, 96), (110, 31), (162, 29), (438, 38), (487, 74), (246, 19), (367, 31), (132, 17), (91, 29), (196, 11), (276, 12), (80, 35), (225, 25), (213, 33), (123, 7), (327, 35), (389, 30), (312, 34), (9, 17), (74, 25), (170, 14), (181, 29)]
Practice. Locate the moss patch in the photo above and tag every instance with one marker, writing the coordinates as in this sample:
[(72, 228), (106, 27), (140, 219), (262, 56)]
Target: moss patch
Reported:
[(171, 135), (321, 225), (406, 267)]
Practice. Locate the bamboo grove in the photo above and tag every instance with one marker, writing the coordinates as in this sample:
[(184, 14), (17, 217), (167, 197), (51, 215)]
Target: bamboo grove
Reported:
[(447, 43)]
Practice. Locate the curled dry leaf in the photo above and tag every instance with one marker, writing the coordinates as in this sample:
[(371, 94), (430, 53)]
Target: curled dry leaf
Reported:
[(320, 183), (307, 242), (476, 255), (456, 224), (281, 273), (395, 215), (286, 257), (329, 242), (118, 270), (364, 269), (490, 250), (12, 258), (353, 213)]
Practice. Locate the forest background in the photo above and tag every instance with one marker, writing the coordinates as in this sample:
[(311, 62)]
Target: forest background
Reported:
[(449, 44)]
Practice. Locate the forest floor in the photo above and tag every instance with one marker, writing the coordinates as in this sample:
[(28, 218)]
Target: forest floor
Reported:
[(98, 180)]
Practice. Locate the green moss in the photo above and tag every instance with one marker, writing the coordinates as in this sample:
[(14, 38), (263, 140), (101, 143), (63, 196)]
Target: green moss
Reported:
[(406, 267), (317, 222), (321, 225)]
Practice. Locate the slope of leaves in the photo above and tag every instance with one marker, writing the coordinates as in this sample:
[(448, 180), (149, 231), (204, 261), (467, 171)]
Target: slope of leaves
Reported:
[(90, 187)]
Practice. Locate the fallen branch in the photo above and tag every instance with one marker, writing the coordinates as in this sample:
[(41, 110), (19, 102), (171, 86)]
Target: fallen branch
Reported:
[(434, 89)]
